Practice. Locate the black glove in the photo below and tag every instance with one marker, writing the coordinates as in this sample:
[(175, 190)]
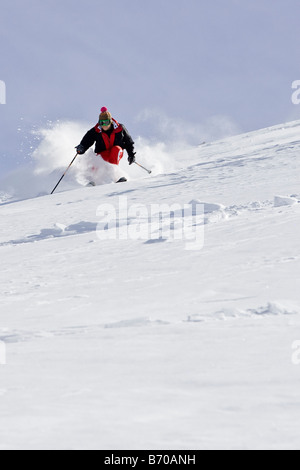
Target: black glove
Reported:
[(80, 149), (131, 157)]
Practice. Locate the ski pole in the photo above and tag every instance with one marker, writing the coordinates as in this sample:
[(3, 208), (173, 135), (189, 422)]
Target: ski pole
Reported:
[(149, 171), (65, 173)]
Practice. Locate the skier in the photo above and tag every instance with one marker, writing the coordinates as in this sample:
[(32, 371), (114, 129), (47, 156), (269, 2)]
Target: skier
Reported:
[(111, 138)]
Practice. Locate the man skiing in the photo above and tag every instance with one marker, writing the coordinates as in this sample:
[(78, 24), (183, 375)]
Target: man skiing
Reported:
[(110, 138)]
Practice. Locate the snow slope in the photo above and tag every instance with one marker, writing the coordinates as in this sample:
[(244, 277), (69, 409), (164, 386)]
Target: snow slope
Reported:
[(144, 343)]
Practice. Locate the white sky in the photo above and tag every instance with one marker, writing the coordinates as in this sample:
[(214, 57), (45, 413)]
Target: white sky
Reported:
[(186, 62)]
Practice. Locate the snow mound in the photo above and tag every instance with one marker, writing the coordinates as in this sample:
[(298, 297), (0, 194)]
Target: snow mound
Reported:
[(58, 230), (213, 212), (272, 308), (135, 322), (280, 201)]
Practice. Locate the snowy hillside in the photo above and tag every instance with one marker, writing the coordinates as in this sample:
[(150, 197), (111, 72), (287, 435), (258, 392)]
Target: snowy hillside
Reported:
[(130, 336)]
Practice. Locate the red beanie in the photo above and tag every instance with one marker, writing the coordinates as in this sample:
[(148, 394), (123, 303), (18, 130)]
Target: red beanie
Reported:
[(105, 114)]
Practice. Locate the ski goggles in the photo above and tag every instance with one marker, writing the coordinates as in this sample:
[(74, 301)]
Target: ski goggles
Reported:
[(104, 122)]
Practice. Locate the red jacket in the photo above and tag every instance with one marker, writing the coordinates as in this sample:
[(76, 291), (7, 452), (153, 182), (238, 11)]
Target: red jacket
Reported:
[(105, 140)]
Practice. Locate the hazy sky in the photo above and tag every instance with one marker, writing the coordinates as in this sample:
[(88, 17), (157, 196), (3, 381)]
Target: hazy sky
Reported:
[(154, 64)]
